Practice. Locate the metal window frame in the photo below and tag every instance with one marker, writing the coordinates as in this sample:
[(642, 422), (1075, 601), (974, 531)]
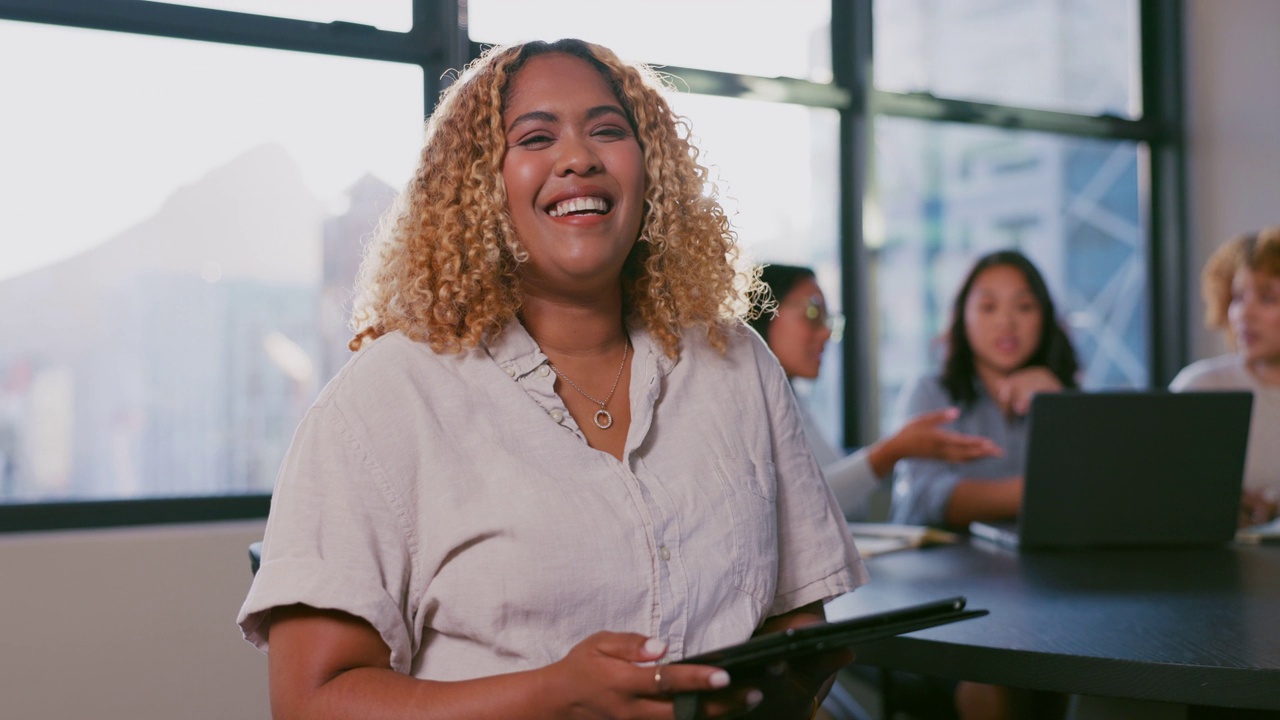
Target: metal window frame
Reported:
[(438, 42), (1160, 129)]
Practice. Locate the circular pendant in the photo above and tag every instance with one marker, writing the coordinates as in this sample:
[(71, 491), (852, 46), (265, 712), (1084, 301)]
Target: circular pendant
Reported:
[(605, 422)]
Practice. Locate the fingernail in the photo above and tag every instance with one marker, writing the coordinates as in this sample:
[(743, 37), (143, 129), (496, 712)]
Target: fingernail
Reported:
[(719, 679), (654, 646), (754, 697)]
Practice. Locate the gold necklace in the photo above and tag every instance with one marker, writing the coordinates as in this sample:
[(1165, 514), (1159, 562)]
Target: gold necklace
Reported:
[(602, 418)]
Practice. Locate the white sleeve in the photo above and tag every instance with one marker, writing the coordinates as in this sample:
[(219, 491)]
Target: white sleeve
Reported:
[(335, 539), (852, 481)]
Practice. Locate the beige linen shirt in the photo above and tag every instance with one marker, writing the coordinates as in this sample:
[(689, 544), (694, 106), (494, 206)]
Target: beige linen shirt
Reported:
[(1228, 372), (452, 502)]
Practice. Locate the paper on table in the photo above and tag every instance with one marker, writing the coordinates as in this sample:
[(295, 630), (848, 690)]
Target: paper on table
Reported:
[(879, 538), (1264, 534)]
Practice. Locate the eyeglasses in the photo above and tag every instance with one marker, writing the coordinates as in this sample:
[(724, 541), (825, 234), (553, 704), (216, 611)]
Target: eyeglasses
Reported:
[(816, 313)]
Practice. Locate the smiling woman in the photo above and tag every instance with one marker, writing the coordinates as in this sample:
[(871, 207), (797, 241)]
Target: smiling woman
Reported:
[(574, 175), (554, 423)]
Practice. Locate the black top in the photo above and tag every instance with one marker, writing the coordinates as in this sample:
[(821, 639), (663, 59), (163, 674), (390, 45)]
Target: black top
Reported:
[(1199, 626)]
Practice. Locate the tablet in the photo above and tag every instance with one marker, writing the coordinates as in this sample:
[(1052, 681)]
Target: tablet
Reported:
[(763, 650)]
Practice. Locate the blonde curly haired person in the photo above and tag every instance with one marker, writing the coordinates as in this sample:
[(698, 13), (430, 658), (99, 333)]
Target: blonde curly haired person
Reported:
[(558, 459), (445, 268), (1240, 285)]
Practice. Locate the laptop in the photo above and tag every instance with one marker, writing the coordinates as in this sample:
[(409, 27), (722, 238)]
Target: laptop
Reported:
[(1130, 469)]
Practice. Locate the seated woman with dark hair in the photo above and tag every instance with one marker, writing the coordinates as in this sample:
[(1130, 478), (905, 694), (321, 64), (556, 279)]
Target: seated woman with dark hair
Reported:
[(793, 320), (1004, 345)]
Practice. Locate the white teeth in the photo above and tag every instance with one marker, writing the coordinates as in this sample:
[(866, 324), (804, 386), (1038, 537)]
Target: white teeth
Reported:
[(579, 204)]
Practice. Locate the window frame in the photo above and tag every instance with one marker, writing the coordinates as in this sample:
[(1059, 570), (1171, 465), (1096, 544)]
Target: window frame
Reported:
[(438, 42), (1160, 128)]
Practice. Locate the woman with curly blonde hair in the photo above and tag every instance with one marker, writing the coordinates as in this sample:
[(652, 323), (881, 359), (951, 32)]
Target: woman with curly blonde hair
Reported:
[(558, 459), (1241, 289)]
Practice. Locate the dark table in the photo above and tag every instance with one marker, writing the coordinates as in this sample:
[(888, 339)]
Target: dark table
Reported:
[(1192, 626)]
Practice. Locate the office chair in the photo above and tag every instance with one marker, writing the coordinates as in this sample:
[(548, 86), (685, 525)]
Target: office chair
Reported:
[(255, 556)]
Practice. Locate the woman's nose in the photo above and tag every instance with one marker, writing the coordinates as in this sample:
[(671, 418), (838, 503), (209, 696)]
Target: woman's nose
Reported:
[(577, 157)]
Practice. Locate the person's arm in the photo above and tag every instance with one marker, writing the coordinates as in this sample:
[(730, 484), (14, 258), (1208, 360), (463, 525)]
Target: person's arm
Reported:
[(923, 485), (923, 436), (1013, 393), (852, 480), (327, 664), (1257, 506), (936, 492), (983, 500), (807, 681)]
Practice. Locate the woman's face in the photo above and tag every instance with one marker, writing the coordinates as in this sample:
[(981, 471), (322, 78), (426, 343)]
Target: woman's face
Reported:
[(1002, 320), (1254, 316), (574, 175), (799, 332)]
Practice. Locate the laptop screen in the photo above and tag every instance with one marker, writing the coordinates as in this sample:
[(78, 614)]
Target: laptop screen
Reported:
[(1134, 468)]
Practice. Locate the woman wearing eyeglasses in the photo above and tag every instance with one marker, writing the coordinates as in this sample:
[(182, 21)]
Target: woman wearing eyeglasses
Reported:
[(797, 330)]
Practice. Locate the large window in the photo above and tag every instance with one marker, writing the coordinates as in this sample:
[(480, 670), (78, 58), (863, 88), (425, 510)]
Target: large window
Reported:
[(948, 193), (190, 183), (1019, 125), (186, 221)]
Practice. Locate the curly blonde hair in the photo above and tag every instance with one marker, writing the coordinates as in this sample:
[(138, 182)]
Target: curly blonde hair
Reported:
[(1256, 252), (442, 267)]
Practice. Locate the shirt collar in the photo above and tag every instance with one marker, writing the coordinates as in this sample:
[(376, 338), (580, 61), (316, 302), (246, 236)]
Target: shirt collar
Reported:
[(515, 351)]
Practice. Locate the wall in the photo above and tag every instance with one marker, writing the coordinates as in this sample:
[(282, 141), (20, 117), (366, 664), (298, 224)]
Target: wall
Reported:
[(1233, 112), (128, 625)]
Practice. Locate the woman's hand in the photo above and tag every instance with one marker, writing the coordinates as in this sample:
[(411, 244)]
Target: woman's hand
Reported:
[(326, 665), (1013, 392), (924, 437), (793, 690), (602, 677), (1257, 506)]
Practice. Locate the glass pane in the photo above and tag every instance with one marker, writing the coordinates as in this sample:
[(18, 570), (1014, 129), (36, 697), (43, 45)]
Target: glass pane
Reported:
[(183, 228), (1077, 56), (949, 193), (394, 15), (783, 198), (751, 37)]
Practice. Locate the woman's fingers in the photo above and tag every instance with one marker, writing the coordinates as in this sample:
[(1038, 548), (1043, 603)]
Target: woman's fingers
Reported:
[(627, 646)]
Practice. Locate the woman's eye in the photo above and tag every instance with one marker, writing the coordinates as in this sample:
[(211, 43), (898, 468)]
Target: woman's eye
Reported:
[(533, 140), (612, 133)]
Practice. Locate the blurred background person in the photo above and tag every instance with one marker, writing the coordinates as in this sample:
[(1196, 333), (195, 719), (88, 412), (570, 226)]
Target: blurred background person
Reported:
[(1241, 289), (794, 321), (1004, 345)]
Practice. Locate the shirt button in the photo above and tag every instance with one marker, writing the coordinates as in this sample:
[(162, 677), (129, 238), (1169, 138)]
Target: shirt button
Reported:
[(557, 415), (511, 371), (544, 371), (665, 553)]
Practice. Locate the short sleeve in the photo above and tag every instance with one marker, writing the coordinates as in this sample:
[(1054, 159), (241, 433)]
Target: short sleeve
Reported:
[(1182, 381), (923, 487), (335, 539), (816, 556)]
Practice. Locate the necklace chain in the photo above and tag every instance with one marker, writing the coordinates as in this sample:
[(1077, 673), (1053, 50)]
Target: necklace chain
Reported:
[(602, 418)]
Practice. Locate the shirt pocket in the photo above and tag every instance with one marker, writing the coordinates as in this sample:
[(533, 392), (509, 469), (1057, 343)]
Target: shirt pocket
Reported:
[(751, 492)]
